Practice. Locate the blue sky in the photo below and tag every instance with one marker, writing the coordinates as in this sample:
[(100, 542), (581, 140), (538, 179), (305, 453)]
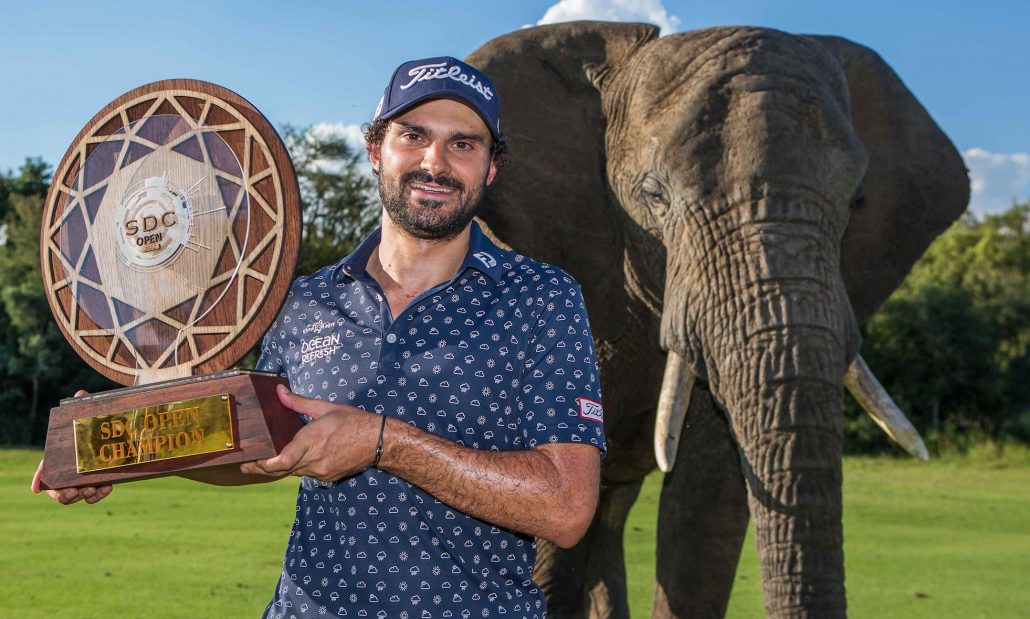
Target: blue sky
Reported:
[(325, 63)]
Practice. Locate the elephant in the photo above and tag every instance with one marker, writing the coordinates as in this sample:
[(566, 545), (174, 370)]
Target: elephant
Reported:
[(735, 202)]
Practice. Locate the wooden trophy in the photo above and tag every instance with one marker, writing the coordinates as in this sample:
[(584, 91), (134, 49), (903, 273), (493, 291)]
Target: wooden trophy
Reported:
[(168, 243)]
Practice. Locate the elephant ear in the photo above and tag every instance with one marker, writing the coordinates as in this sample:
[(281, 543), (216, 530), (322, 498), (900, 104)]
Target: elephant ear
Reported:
[(554, 203), (915, 186)]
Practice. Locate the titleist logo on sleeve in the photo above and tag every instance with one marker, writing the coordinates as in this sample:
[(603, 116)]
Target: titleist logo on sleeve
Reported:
[(439, 71), (590, 409)]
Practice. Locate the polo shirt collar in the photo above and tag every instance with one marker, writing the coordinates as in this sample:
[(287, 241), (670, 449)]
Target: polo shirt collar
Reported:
[(354, 264), (483, 255)]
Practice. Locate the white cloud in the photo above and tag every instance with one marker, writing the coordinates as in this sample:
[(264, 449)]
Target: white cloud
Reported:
[(351, 133), (996, 179), (650, 11)]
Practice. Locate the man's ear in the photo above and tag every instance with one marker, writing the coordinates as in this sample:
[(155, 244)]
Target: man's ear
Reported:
[(373, 155), (491, 173)]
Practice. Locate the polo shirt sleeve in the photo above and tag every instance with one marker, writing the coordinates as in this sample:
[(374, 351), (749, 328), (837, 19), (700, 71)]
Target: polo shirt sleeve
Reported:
[(560, 394), (272, 357)]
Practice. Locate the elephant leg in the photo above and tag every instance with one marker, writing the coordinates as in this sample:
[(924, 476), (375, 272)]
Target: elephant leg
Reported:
[(589, 580), (702, 517)]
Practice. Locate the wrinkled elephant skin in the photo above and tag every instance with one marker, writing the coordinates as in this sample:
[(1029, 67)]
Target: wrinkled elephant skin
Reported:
[(744, 198)]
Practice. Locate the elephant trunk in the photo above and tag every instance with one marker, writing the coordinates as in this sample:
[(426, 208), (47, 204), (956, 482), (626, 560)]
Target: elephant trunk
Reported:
[(773, 330), (785, 412)]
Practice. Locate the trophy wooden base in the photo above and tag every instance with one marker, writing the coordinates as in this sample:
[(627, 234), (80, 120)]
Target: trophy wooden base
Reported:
[(166, 428)]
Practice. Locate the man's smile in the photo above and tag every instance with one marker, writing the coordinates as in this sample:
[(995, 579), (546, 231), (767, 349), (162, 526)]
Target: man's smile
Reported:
[(432, 188)]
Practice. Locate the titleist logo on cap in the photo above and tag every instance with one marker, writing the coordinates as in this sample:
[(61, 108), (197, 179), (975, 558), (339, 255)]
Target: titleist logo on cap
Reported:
[(439, 71)]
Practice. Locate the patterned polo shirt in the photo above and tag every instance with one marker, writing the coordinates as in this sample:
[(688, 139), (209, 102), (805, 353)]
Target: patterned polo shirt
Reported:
[(499, 358)]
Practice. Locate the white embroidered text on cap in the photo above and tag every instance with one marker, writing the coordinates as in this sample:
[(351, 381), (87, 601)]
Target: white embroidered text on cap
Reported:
[(439, 71)]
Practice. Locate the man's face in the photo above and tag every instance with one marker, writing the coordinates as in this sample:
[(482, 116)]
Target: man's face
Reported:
[(434, 164)]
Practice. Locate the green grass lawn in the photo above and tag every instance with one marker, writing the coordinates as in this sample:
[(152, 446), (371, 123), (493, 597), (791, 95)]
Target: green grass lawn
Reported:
[(160, 548), (944, 539)]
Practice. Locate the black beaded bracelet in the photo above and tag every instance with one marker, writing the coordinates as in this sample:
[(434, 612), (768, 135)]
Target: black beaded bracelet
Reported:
[(379, 445)]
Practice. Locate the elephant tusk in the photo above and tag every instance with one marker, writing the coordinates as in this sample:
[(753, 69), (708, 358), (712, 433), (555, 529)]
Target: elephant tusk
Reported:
[(871, 395), (673, 401)]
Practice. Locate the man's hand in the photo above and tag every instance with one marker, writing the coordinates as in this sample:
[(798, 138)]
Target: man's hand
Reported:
[(91, 494), (67, 496), (340, 441)]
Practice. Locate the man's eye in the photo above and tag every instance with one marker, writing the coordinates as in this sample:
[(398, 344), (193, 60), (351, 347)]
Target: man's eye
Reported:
[(462, 145), (411, 136)]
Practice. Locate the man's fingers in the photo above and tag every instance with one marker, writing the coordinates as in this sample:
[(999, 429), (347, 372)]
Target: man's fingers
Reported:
[(66, 496), (258, 467), (101, 492), (270, 466), (306, 406), (278, 465), (90, 494), (36, 481)]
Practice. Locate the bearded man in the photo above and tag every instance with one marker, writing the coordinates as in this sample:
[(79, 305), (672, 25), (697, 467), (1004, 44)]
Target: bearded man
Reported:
[(452, 385)]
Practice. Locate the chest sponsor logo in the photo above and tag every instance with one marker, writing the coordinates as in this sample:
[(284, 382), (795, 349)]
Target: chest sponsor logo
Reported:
[(322, 325), (319, 347), (589, 409)]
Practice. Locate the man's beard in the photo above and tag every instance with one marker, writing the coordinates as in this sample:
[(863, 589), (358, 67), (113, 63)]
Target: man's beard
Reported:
[(428, 221)]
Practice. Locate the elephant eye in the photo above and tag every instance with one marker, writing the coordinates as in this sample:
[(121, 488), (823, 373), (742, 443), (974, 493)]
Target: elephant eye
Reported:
[(653, 193)]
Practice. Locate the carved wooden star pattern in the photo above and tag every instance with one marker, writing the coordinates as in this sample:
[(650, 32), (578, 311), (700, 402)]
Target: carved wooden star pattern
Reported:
[(205, 306)]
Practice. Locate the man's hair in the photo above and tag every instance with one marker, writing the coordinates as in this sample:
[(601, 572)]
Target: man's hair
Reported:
[(375, 131)]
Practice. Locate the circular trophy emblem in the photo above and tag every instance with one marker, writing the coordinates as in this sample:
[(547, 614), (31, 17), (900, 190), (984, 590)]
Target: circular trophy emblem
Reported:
[(170, 232), (154, 222)]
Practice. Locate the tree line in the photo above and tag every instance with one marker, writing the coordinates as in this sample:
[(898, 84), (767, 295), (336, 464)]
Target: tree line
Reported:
[(950, 345)]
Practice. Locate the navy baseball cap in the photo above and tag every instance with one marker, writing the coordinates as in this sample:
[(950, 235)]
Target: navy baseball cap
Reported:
[(443, 77)]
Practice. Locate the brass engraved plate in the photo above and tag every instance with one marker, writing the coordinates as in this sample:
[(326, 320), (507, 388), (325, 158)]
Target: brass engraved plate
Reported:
[(151, 433)]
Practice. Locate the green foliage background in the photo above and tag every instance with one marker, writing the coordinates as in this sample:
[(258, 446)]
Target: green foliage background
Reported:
[(37, 366), (950, 345)]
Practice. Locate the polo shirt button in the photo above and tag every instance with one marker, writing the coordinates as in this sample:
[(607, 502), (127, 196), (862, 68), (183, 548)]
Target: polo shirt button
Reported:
[(391, 338)]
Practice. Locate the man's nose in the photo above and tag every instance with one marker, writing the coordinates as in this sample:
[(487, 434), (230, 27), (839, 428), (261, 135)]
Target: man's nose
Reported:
[(434, 159)]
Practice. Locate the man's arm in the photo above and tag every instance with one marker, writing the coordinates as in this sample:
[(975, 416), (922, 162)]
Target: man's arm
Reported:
[(548, 491)]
